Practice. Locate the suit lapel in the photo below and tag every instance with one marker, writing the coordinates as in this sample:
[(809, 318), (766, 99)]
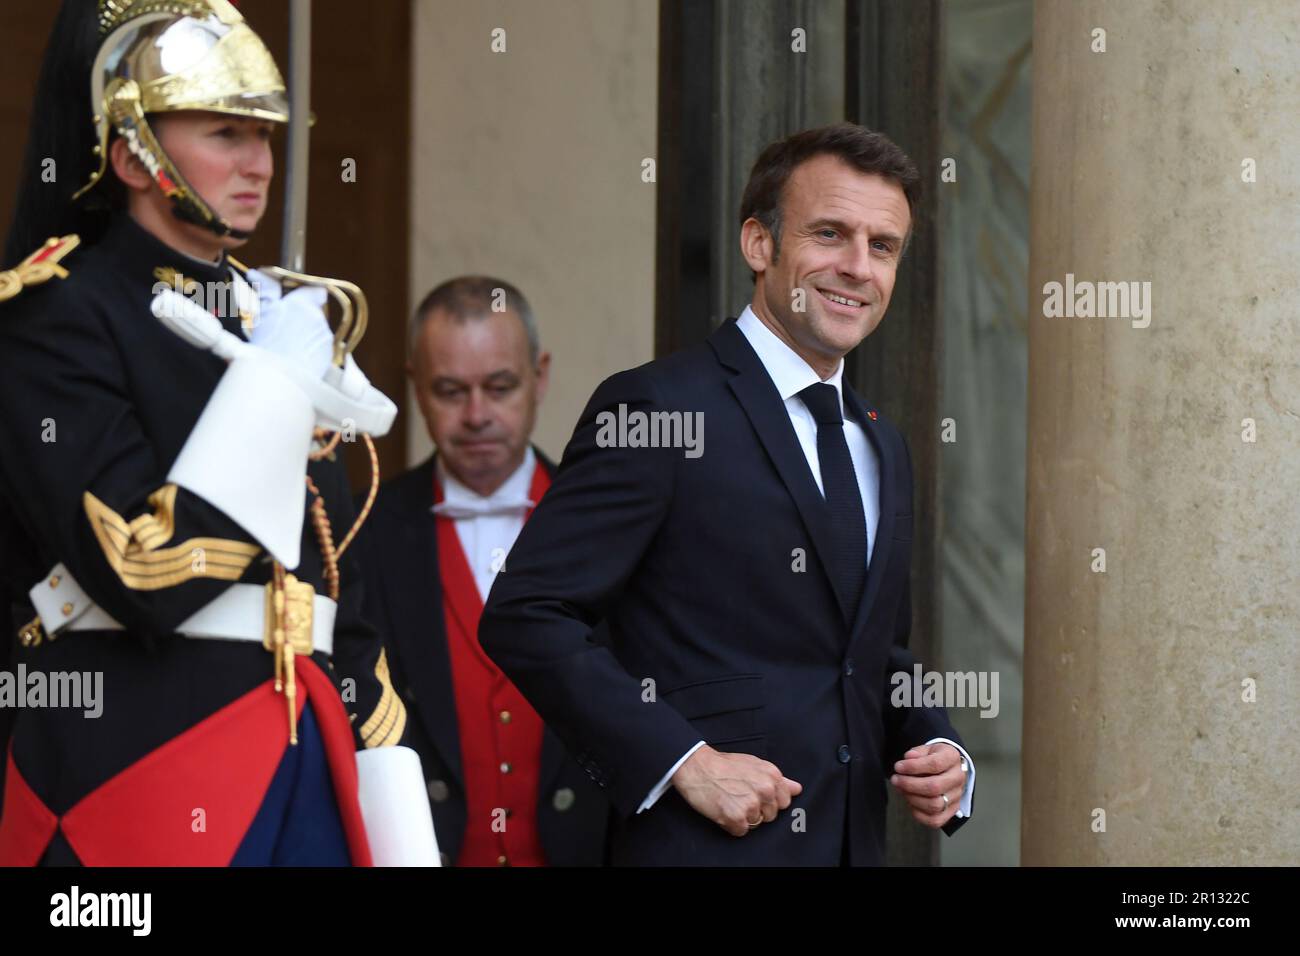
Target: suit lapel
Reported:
[(420, 630), (762, 403), (885, 526)]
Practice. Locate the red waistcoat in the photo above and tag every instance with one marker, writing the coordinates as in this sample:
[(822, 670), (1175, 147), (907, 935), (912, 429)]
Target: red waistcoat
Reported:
[(500, 733)]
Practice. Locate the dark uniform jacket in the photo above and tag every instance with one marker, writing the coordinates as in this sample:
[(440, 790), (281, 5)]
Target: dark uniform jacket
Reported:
[(97, 397)]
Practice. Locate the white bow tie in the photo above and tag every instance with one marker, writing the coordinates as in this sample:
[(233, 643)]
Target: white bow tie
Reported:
[(457, 510)]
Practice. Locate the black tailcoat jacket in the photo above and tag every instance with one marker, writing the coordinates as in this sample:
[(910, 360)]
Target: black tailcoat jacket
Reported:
[(403, 598)]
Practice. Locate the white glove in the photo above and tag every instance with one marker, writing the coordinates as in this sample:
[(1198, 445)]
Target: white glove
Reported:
[(298, 339), (292, 326)]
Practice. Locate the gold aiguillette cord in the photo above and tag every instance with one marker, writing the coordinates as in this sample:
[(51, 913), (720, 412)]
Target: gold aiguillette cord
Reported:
[(281, 645)]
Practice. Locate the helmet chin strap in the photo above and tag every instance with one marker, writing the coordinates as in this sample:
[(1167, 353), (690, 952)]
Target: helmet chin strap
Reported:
[(185, 212)]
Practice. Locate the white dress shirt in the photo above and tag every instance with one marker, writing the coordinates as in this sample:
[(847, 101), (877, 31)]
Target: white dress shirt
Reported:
[(791, 375), (487, 526)]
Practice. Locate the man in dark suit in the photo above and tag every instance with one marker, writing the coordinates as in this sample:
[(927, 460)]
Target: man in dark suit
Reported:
[(502, 789), (755, 587)]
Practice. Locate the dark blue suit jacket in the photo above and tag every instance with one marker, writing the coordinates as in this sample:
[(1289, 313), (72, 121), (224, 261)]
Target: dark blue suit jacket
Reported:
[(714, 633), (398, 552)]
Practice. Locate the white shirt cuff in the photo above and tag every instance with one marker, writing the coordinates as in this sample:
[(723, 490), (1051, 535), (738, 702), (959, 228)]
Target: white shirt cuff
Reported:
[(968, 794), (662, 786)]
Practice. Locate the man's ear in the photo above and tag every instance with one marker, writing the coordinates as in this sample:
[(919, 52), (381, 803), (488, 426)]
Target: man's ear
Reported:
[(756, 245), (128, 169), (543, 375)]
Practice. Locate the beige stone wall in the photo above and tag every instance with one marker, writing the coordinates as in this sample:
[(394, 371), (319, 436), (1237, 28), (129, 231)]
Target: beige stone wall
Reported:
[(1134, 677), (527, 165)]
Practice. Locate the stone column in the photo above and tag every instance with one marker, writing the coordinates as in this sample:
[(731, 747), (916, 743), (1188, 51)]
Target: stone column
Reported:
[(1164, 691)]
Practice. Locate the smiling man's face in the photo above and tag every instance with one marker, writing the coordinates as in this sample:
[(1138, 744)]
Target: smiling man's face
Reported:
[(842, 235)]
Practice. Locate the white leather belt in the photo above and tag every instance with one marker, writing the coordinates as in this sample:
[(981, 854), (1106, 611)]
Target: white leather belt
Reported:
[(237, 614)]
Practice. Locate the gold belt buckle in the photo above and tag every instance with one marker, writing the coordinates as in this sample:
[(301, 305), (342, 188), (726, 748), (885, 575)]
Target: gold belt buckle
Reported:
[(298, 596), (31, 634)]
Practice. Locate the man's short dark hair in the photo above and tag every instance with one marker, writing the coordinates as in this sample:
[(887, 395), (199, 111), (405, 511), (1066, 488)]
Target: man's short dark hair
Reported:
[(474, 297), (864, 150)]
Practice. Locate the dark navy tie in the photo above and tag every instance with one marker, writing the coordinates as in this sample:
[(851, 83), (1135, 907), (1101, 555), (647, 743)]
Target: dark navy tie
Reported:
[(843, 496)]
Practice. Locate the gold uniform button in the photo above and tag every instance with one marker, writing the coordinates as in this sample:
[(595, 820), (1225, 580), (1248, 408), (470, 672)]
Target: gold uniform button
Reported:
[(502, 861), (67, 609), (505, 768), (54, 581), (505, 716)]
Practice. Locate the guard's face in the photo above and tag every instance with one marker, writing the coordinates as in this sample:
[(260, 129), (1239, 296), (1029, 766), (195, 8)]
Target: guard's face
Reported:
[(841, 239), (478, 392), (227, 159)]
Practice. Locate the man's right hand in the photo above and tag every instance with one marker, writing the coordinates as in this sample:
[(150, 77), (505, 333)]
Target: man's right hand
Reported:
[(735, 791)]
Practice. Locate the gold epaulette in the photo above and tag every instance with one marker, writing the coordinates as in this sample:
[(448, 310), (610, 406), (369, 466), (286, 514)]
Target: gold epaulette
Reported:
[(41, 266)]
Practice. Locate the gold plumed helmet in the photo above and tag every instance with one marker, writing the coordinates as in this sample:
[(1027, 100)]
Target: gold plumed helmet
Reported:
[(163, 56)]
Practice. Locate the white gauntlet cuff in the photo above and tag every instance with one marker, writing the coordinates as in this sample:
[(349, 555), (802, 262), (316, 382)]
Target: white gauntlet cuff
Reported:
[(247, 454), (395, 806)]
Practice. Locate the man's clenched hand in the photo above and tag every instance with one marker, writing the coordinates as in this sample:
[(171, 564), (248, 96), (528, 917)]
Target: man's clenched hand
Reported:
[(736, 791)]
